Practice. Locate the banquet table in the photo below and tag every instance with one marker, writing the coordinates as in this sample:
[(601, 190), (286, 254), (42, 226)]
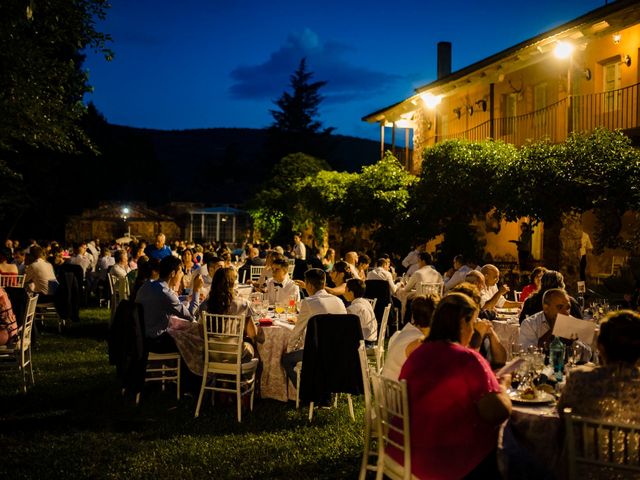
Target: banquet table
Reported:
[(274, 382), (531, 444)]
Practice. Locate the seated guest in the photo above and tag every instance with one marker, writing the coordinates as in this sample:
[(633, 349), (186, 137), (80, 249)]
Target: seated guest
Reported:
[(267, 271), (457, 404), (609, 392), (536, 329), (340, 274), (485, 340), (209, 270), (160, 302), (381, 272), (492, 296), (7, 268), (410, 262), (363, 266), (81, 257), (159, 249), (189, 268), (253, 260), (457, 274), (318, 302), (280, 287), (121, 266), (405, 341), (222, 300), (351, 258), (329, 259), (534, 286), (39, 276), (8, 325), (424, 274), (550, 279), (360, 306), (18, 260)]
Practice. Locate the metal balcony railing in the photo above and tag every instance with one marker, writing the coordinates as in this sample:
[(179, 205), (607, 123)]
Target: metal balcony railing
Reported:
[(615, 109)]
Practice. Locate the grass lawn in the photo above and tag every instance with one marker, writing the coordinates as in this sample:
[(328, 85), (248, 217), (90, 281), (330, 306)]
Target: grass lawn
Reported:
[(75, 424)]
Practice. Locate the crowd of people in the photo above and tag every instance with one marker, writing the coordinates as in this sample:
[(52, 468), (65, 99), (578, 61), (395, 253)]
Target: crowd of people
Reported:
[(446, 350)]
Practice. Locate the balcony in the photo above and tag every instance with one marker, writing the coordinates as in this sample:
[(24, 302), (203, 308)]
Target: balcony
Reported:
[(615, 109)]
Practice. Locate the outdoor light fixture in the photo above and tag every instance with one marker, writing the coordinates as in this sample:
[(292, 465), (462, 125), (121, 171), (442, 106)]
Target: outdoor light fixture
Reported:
[(563, 50), (482, 103), (587, 73), (470, 109), (616, 38), (125, 212), (627, 60), (430, 100), (458, 112), (429, 125)]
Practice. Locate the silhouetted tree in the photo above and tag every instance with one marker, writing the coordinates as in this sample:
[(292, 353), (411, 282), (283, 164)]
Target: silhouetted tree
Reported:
[(296, 127)]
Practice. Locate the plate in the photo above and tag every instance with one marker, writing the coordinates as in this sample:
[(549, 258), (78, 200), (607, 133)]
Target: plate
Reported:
[(543, 397)]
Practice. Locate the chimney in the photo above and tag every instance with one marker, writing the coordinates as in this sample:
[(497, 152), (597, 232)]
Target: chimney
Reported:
[(444, 59)]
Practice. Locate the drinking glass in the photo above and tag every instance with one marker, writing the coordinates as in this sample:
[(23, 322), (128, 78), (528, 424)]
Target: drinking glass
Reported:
[(280, 307)]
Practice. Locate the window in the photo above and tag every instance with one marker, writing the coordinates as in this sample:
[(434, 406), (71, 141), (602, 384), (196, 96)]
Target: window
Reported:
[(510, 111)]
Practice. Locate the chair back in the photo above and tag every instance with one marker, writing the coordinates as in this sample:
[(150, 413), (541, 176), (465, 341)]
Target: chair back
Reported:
[(330, 357), (392, 419), (27, 325), (366, 379), (373, 302), (256, 271), (596, 443), (427, 288), (382, 334), (8, 280), (381, 291), (223, 341)]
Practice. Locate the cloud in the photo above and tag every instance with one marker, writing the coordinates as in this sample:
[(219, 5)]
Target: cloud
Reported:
[(345, 81)]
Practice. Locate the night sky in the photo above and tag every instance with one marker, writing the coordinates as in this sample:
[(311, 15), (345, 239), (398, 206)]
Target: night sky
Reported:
[(216, 63)]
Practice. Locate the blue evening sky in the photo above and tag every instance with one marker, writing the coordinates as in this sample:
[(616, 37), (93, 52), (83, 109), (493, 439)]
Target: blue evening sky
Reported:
[(203, 64)]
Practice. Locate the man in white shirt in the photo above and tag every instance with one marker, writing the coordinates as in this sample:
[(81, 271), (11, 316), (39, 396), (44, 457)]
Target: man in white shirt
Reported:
[(536, 329), (410, 262), (352, 259), (299, 248), (318, 302), (82, 258), (492, 296), (121, 266), (280, 287), (39, 275), (424, 274), (457, 274), (360, 306), (381, 272)]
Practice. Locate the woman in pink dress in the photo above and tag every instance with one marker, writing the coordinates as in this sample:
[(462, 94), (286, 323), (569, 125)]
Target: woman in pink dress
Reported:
[(8, 326), (455, 400)]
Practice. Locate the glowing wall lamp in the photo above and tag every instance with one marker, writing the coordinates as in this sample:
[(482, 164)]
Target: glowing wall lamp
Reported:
[(431, 100), (563, 50)]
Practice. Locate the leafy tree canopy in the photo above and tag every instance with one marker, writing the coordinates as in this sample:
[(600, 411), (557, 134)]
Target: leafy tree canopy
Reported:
[(41, 81)]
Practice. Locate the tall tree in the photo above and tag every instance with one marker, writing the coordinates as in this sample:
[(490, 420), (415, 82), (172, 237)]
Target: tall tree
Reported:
[(42, 84), (296, 127)]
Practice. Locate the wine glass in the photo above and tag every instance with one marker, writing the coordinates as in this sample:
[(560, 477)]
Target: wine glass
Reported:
[(280, 307)]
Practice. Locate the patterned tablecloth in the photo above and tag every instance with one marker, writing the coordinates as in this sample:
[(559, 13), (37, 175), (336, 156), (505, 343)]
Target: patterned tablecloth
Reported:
[(274, 382), (531, 444)]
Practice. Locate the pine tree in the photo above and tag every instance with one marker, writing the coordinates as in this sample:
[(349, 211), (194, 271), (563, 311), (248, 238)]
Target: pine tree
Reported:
[(296, 128), (298, 111)]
